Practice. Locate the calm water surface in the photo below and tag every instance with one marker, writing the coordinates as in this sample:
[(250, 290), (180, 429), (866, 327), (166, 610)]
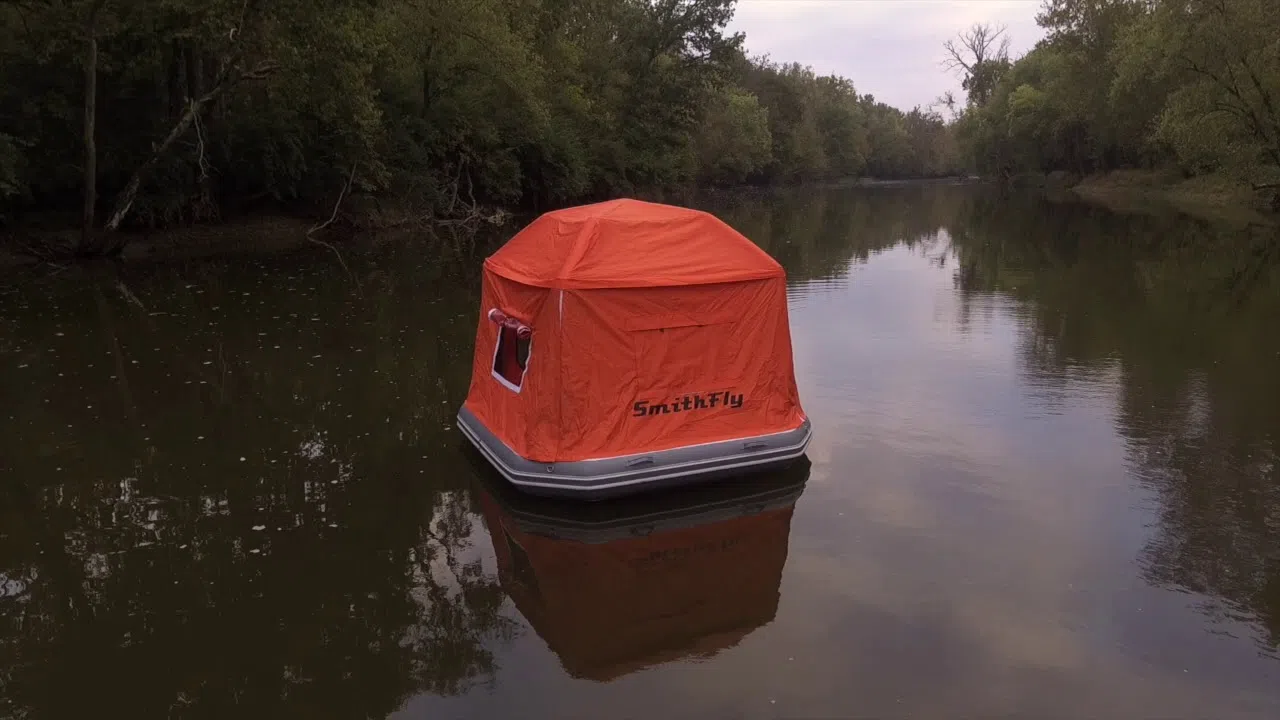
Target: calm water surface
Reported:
[(1043, 483)]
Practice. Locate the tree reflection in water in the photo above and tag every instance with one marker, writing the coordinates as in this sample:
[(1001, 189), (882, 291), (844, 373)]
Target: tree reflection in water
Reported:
[(241, 502), (1184, 310), (248, 498)]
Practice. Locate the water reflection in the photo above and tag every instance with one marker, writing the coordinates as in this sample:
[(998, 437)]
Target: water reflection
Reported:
[(236, 501), (1187, 313), (1044, 476), (616, 588), (1184, 310), (820, 237)]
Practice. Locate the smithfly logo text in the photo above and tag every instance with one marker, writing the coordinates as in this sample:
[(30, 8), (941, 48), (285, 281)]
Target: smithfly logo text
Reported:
[(687, 403)]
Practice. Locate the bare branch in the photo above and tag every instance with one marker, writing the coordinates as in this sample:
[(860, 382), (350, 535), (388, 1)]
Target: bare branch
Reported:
[(341, 195), (128, 294), (333, 216), (260, 71), (1267, 103), (1230, 110), (980, 43), (200, 158), (457, 176), (125, 201), (1257, 126)]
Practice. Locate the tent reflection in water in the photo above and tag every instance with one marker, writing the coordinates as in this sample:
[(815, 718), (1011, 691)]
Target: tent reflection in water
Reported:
[(625, 345), (648, 580)]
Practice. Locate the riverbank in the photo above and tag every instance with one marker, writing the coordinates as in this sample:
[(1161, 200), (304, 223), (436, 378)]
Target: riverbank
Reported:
[(260, 234), (1130, 191), (361, 216), (1209, 196)]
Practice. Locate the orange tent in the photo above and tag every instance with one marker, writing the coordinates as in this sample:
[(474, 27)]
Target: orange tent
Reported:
[(624, 328)]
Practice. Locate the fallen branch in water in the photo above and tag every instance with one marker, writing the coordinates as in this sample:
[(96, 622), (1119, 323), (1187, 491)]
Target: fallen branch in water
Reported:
[(341, 195), (334, 216), (128, 294), (451, 207), (474, 215), (456, 177)]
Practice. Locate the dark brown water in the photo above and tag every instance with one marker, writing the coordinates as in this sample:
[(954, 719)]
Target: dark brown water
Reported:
[(1043, 484)]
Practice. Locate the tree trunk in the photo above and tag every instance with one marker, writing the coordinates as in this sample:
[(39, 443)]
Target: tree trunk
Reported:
[(229, 74), (90, 142), (130, 193), (124, 202)]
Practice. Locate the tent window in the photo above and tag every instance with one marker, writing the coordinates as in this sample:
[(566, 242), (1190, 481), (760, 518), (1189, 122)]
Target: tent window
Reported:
[(511, 356)]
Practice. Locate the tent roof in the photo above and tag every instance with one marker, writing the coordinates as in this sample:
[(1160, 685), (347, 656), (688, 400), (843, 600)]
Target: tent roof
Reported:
[(630, 243)]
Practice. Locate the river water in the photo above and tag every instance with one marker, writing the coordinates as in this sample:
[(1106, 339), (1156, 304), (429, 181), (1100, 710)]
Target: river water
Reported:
[(1043, 483)]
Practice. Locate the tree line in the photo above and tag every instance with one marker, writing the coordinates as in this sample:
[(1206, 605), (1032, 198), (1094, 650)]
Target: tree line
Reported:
[(157, 113), (1188, 85)]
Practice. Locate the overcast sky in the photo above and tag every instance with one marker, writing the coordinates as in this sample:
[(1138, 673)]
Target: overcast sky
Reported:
[(889, 48)]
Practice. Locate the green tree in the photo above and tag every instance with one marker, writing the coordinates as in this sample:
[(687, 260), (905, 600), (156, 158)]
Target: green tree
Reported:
[(933, 147), (734, 143), (787, 91), (127, 115), (1224, 55), (1132, 83), (841, 121), (890, 155)]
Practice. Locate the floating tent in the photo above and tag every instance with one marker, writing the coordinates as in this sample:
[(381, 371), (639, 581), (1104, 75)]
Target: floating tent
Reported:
[(687, 575), (628, 344)]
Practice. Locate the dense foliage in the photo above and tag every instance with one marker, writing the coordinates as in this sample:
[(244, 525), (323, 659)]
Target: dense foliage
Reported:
[(208, 107), (1188, 84)]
